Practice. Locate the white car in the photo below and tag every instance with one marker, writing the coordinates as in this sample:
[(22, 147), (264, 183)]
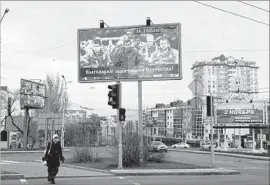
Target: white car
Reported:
[(158, 146), (181, 145)]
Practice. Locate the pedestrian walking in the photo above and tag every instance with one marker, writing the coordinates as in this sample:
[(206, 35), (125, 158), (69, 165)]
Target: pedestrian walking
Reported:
[(53, 156)]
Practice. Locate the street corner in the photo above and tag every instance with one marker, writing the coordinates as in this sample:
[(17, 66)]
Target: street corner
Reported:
[(152, 172)]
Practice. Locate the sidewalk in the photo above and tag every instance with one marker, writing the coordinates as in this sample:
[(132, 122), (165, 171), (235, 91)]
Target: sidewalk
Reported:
[(34, 170), (223, 154), (28, 151)]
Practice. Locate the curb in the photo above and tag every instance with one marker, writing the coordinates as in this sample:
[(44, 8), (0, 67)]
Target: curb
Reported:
[(62, 177), (214, 171), (28, 151), (224, 154), (85, 168), (11, 176)]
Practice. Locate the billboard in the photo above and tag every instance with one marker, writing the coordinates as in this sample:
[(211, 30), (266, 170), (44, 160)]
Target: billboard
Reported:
[(32, 94), (240, 114), (130, 53)]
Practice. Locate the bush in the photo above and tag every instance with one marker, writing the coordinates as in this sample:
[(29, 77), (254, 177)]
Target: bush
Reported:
[(131, 150), (156, 158), (84, 154)]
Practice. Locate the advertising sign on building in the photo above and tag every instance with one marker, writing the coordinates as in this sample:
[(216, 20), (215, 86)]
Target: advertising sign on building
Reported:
[(32, 94), (130, 53), (240, 114)]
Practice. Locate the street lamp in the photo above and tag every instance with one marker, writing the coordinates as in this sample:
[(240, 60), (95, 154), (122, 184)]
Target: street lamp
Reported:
[(6, 11), (63, 118)]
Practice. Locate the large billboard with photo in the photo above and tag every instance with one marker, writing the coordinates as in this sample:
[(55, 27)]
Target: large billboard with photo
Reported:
[(32, 94), (240, 114), (130, 53)]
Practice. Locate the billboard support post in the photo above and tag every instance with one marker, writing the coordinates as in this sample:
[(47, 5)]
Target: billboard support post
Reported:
[(25, 127), (212, 135), (261, 138), (225, 140), (240, 141), (253, 139), (120, 149), (140, 120)]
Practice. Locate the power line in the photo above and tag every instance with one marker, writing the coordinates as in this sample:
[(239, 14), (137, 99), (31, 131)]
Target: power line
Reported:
[(205, 51), (47, 49), (253, 6), (248, 18)]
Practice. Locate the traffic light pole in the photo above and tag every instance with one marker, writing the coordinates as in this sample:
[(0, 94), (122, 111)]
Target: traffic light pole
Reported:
[(212, 134), (140, 126), (120, 149)]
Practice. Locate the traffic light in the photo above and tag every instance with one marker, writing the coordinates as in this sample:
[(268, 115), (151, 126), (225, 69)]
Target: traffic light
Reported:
[(9, 106), (113, 96), (122, 114), (208, 105)]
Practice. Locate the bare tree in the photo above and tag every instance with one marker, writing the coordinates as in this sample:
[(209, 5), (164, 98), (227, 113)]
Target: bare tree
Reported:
[(10, 107), (56, 95)]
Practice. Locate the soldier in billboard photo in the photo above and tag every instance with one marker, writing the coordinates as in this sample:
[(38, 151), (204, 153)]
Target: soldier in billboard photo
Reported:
[(164, 54), (127, 56), (150, 48), (97, 56)]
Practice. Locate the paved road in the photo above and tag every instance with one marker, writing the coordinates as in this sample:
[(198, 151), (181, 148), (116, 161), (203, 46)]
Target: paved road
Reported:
[(147, 180), (253, 172), (256, 170)]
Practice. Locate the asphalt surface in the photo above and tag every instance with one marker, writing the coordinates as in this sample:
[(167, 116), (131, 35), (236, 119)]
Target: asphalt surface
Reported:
[(147, 180), (253, 172)]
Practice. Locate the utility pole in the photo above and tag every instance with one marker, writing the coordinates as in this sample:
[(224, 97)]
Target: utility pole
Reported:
[(140, 120)]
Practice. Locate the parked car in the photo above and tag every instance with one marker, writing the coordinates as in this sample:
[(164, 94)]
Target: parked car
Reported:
[(158, 146), (206, 145), (181, 145)]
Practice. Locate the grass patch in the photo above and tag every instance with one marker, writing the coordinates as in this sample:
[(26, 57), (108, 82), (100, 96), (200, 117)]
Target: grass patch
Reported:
[(110, 164), (267, 154)]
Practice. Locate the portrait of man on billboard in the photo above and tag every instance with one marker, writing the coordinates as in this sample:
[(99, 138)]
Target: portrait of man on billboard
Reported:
[(96, 55), (126, 55), (164, 54), (149, 48)]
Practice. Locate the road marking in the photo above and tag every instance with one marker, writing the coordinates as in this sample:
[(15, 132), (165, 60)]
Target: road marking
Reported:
[(133, 183), (7, 162), (23, 181), (121, 178)]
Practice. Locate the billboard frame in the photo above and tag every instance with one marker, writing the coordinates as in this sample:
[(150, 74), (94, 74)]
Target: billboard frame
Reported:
[(133, 79), (31, 107)]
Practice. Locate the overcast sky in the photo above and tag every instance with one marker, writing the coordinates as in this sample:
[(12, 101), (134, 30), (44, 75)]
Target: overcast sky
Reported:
[(41, 37)]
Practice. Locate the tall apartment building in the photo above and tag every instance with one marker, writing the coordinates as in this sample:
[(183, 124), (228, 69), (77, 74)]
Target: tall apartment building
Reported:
[(226, 75)]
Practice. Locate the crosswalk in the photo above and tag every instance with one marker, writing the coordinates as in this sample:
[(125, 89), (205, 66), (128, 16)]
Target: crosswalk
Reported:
[(9, 162)]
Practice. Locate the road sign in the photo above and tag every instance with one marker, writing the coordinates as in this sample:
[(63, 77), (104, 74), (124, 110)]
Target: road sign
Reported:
[(196, 87)]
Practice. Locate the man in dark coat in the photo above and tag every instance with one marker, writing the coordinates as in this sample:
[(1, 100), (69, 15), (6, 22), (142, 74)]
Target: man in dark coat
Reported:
[(127, 56), (53, 156)]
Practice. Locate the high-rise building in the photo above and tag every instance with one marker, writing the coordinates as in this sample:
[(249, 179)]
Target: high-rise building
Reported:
[(225, 75)]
